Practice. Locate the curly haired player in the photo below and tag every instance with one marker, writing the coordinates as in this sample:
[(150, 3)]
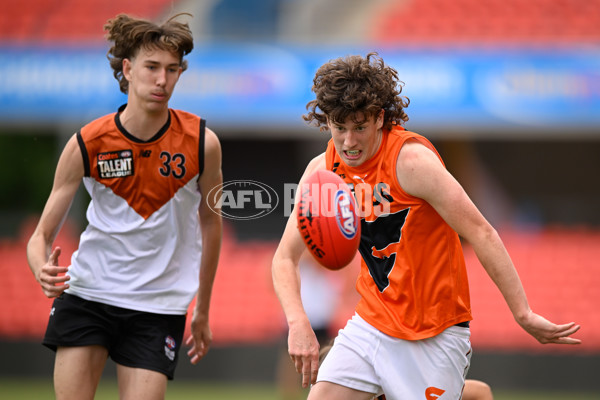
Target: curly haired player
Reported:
[(410, 336), (152, 242)]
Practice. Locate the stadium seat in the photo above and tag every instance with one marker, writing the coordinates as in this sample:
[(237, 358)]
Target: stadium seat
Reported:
[(68, 21), (533, 22)]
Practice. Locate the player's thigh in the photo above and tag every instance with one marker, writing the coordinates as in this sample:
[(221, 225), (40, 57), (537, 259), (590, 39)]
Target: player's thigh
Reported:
[(150, 341), (77, 371), (349, 362), (331, 391), (421, 368), (477, 390), (139, 383)]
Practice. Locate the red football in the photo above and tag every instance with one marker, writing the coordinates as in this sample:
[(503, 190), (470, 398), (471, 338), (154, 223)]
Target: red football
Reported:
[(328, 220)]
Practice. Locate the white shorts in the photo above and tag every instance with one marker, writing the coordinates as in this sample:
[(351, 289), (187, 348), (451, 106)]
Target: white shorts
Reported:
[(365, 359)]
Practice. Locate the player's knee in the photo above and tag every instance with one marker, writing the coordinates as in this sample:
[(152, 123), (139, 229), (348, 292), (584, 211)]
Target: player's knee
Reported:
[(477, 390)]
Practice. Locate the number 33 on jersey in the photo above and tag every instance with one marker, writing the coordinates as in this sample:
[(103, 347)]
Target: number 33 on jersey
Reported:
[(158, 168)]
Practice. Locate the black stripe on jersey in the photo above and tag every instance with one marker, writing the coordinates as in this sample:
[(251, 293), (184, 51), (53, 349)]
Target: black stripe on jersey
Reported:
[(84, 154), (201, 147), (162, 130), (129, 136)]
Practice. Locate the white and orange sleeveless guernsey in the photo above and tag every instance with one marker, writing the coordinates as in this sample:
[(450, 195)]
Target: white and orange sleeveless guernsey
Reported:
[(141, 249), (413, 280)]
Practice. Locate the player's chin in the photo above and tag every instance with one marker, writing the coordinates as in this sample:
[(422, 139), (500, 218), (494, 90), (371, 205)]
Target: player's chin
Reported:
[(352, 160), (156, 108)]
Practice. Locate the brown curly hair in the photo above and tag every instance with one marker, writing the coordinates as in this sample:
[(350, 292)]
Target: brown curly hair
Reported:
[(130, 34), (353, 84)]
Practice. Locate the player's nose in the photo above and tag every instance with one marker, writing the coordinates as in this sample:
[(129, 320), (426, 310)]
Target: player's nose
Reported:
[(349, 140), (161, 77)]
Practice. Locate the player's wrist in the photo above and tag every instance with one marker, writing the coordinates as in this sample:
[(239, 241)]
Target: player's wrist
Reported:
[(298, 320)]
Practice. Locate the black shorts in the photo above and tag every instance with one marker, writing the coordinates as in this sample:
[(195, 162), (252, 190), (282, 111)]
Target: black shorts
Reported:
[(133, 338)]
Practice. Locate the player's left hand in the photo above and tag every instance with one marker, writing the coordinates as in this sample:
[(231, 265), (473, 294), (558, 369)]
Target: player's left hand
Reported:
[(200, 339), (547, 332), (52, 277)]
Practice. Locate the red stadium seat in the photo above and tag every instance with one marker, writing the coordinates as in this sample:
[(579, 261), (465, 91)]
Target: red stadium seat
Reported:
[(68, 20), (546, 22)]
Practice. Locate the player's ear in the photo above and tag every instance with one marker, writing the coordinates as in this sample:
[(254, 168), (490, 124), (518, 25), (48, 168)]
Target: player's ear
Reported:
[(379, 121), (127, 68)]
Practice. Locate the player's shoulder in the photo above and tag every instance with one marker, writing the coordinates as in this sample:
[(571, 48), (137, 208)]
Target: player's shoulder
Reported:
[(186, 121), (107, 118), (414, 150), (417, 155), (408, 143), (212, 144), (401, 134), (318, 162), (98, 126), (313, 165), (185, 115)]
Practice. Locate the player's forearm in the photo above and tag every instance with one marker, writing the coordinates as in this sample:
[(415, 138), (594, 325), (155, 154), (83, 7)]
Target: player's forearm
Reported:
[(211, 247), (38, 250), (497, 262), (286, 282)]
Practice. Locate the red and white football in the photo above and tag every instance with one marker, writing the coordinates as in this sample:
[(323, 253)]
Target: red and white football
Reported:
[(328, 220)]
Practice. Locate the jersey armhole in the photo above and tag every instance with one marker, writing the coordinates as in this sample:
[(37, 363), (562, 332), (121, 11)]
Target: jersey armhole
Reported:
[(201, 146), (84, 155)]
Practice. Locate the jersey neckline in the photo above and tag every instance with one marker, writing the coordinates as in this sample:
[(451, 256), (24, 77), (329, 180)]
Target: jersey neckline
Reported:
[(129, 136)]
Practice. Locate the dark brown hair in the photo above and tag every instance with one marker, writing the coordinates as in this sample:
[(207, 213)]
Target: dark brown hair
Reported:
[(353, 84), (130, 34)]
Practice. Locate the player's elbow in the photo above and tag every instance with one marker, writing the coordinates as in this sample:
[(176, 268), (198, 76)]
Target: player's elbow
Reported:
[(481, 233), (282, 266)]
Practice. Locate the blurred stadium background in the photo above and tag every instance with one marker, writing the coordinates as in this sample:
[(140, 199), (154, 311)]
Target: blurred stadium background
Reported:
[(508, 90)]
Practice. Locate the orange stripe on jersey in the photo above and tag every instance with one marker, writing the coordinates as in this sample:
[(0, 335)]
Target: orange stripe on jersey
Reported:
[(413, 281), (146, 174)]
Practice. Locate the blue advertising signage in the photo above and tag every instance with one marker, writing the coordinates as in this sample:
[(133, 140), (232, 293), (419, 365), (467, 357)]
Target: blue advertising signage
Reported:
[(268, 86)]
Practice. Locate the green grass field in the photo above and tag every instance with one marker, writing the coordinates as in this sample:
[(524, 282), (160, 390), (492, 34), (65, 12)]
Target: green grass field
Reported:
[(39, 389)]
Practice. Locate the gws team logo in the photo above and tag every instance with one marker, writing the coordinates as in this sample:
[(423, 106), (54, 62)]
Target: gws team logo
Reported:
[(433, 393), (170, 346), (243, 199), (344, 214), (115, 164)]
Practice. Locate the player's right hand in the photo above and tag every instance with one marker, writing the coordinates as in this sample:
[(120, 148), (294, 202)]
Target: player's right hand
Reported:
[(303, 348), (548, 332), (52, 277)]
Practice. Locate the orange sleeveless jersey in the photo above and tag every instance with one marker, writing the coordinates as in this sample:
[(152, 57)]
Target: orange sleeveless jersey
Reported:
[(145, 174), (413, 281)]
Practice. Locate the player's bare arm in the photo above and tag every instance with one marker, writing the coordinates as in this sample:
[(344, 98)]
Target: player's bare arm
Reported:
[(212, 226), (43, 261), (303, 346), (421, 174)]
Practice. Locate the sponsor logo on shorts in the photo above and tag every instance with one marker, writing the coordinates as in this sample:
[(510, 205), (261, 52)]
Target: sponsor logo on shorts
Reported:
[(170, 346), (432, 393), (115, 164)]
